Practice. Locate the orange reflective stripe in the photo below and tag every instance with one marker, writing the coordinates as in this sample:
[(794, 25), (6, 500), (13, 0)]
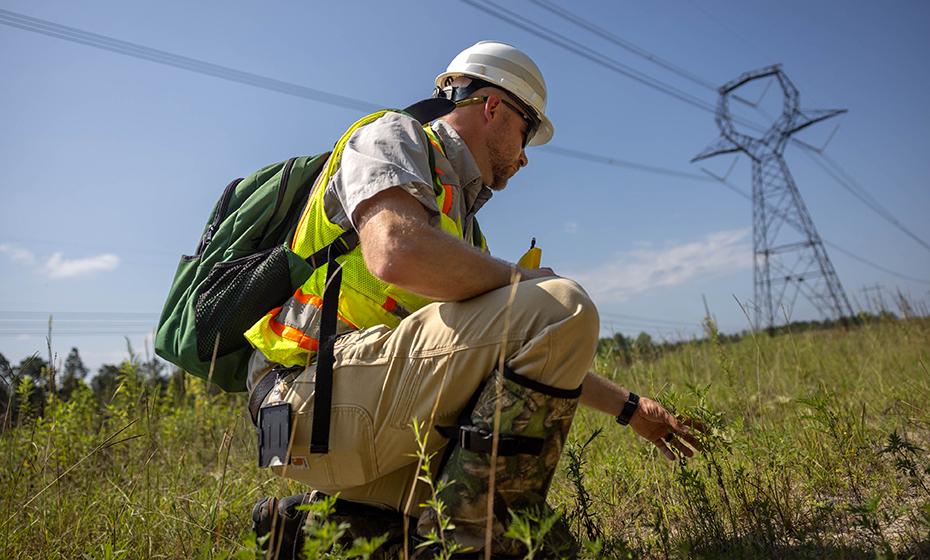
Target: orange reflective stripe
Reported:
[(290, 333), (438, 171), (446, 198), (305, 298), (438, 146), (390, 304)]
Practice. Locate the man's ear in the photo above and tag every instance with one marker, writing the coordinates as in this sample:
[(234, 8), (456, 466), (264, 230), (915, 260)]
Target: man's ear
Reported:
[(492, 107)]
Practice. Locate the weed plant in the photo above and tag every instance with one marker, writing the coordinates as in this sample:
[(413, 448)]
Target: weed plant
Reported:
[(817, 448)]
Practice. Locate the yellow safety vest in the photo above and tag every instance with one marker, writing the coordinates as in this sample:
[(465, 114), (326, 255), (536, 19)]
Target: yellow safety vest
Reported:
[(289, 335)]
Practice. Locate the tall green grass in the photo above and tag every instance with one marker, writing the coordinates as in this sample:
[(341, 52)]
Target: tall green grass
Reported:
[(817, 448)]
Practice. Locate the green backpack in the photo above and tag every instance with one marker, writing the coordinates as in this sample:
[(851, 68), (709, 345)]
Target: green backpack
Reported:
[(243, 266)]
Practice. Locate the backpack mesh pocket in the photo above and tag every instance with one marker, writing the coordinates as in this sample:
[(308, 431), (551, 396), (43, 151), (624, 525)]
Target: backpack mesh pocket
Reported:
[(235, 295)]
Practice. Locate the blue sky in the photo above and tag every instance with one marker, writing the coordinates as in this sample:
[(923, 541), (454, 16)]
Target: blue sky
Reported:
[(112, 163)]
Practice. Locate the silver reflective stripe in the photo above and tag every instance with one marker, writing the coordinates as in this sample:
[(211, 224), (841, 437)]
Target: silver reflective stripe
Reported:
[(305, 317), (509, 66)]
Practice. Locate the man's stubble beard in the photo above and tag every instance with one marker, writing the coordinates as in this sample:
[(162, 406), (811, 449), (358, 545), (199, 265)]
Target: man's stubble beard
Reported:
[(500, 168)]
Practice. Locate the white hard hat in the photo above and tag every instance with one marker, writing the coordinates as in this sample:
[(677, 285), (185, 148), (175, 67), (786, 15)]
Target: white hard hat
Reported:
[(504, 66)]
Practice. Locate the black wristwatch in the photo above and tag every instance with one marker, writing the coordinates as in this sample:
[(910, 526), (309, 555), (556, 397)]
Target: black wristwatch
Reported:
[(632, 403)]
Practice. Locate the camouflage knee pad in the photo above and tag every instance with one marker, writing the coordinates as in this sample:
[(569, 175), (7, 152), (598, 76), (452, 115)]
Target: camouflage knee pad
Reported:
[(535, 420)]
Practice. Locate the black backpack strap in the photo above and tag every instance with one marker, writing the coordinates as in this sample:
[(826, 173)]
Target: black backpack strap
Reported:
[(342, 245), (325, 358), (430, 109)]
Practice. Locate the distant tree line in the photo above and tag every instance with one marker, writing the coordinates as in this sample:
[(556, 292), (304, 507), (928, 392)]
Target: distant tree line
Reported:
[(626, 349), (35, 377)]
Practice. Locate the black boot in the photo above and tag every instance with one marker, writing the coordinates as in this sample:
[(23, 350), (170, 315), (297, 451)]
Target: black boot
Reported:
[(281, 520)]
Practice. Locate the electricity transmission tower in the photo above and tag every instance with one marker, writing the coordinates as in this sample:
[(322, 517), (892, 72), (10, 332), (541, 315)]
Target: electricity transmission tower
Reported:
[(789, 256)]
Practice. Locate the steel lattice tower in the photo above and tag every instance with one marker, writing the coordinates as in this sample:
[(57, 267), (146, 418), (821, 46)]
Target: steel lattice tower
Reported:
[(787, 260)]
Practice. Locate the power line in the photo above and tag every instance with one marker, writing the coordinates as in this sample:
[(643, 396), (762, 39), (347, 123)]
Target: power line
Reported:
[(617, 162), (571, 45), (623, 43), (848, 183), (73, 34), (872, 264), (551, 36)]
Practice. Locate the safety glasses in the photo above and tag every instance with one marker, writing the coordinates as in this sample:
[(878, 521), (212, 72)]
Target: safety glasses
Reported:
[(532, 124)]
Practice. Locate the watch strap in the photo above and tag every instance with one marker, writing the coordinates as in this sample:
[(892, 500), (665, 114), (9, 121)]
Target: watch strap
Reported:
[(629, 408)]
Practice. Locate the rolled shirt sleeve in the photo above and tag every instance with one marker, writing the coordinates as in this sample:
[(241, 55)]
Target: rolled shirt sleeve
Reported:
[(390, 152)]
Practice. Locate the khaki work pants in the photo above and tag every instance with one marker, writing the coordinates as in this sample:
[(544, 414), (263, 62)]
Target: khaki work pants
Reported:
[(385, 378)]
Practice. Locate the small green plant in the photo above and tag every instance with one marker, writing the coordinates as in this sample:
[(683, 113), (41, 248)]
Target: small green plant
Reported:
[(582, 516), (438, 539), (531, 528), (323, 537), (906, 457)]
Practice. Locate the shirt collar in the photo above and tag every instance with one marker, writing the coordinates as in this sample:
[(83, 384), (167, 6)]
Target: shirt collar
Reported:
[(464, 164)]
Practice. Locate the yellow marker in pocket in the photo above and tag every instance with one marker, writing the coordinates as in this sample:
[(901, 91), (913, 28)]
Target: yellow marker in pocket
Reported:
[(531, 258)]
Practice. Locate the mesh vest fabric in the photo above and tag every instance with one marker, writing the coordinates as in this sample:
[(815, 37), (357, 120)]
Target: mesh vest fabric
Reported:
[(289, 335)]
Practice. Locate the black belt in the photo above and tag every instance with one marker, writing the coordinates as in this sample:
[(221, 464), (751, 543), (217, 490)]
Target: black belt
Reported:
[(265, 385)]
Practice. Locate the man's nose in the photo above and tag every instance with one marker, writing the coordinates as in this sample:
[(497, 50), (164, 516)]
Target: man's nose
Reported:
[(523, 159)]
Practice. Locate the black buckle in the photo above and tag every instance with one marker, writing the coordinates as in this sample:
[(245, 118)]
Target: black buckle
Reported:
[(477, 440)]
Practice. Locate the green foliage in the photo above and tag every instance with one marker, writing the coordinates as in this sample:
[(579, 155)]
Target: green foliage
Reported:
[(531, 528), (438, 538), (583, 519)]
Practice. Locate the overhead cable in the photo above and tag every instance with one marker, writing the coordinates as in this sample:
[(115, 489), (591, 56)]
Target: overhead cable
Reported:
[(552, 36), (556, 38), (623, 43), (617, 162), (73, 34), (847, 182)]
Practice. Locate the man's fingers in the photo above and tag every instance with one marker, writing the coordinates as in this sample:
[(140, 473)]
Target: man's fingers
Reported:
[(683, 448), (692, 441), (692, 423), (684, 429), (664, 449)]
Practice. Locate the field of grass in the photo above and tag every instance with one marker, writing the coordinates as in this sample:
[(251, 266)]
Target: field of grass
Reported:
[(818, 448)]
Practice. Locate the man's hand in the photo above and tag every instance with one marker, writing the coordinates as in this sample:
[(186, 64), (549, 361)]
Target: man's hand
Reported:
[(652, 422)]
